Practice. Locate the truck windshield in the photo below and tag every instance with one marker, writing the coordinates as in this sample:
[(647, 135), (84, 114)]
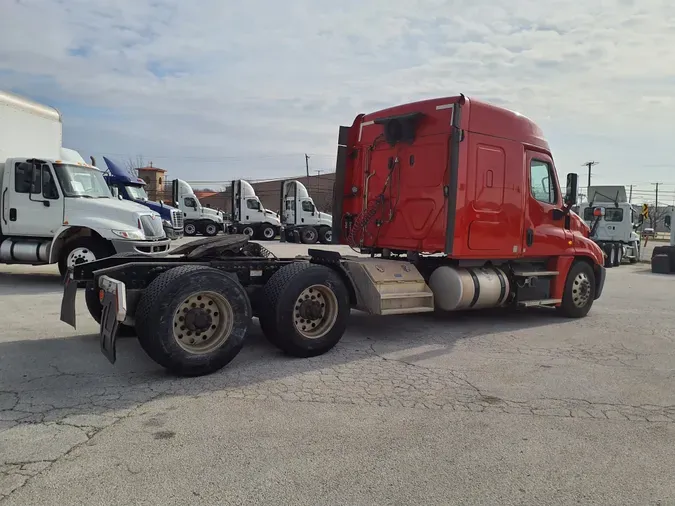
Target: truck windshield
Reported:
[(137, 192), (81, 181)]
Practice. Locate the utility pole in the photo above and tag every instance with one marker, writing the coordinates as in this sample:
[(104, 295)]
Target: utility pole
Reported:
[(630, 195), (307, 165), (589, 165), (656, 207)]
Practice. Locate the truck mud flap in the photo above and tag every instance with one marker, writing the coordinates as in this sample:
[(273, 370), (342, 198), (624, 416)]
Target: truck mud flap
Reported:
[(68, 300), (600, 281)]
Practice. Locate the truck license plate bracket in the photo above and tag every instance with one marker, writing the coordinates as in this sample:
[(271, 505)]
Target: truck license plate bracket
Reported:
[(112, 314)]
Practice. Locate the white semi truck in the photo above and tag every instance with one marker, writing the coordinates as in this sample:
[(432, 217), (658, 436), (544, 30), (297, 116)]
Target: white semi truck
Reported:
[(300, 218), (55, 207), (249, 216), (611, 218), (197, 219)]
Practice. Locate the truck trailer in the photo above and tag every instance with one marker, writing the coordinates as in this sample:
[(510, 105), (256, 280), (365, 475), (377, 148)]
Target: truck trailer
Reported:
[(55, 207), (456, 202), (300, 219)]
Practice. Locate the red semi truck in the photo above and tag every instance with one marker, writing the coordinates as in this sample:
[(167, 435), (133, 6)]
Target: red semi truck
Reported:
[(457, 202)]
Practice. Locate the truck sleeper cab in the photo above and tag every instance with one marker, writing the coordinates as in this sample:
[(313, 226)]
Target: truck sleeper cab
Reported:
[(456, 201)]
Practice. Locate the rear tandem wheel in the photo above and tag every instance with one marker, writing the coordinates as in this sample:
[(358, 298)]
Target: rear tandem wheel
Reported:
[(305, 309), (192, 319)]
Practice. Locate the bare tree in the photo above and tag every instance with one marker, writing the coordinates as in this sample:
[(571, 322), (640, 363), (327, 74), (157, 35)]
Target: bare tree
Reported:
[(657, 215), (133, 165)]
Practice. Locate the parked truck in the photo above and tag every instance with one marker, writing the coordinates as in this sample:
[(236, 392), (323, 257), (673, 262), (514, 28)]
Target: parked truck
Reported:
[(126, 185), (55, 207), (249, 216), (301, 221), (197, 218), (456, 201), (611, 218)]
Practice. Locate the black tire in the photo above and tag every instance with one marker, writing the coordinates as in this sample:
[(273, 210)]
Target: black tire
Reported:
[(158, 305), (279, 310), (326, 235), (248, 230), (618, 257), (607, 248), (309, 235), (95, 309), (210, 229), (100, 248), (579, 291), (636, 252), (267, 232), (190, 229)]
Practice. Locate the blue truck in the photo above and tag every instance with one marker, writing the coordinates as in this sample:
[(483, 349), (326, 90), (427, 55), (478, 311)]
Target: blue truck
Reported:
[(126, 185)]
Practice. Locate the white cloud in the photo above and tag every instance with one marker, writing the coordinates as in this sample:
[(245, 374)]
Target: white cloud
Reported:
[(190, 83)]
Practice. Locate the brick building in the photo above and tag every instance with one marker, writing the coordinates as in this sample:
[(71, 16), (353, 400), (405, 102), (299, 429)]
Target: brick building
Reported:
[(155, 179), (320, 188)]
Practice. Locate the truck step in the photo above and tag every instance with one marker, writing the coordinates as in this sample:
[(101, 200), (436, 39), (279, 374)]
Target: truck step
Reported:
[(542, 302), (410, 302), (532, 274)]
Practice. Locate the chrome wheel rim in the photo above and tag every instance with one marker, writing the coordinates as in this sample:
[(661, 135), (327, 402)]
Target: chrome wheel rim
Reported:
[(203, 322), (268, 233), (328, 236), (189, 229), (315, 311), (80, 256), (210, 229), (581, 290), (310, 235), (248, 231)]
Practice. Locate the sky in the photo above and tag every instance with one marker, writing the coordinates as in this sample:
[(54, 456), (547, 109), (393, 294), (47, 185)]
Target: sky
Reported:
[(214, 90)]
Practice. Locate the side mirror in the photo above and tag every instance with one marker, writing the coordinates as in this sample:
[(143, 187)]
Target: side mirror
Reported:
[(666, 221), (571, 191), (161, 203)]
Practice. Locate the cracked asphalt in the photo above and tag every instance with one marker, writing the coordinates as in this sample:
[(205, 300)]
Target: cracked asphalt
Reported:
[(475, 408)]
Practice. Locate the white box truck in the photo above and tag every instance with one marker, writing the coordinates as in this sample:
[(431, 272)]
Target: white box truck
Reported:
[(55, 207)]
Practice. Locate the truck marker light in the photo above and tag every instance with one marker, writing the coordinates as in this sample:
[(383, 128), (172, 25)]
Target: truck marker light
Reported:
[(570, 243), (101, 294)]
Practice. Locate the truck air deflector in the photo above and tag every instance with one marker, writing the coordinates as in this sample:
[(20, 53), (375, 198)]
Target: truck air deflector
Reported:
[(451, 201), (339, 183)]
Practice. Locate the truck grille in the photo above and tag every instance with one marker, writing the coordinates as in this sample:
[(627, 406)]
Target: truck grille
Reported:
[(152, 227), (177, 219)]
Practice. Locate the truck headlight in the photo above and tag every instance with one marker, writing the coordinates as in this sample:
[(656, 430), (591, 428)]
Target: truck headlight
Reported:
[(130, 234), (167, 223)]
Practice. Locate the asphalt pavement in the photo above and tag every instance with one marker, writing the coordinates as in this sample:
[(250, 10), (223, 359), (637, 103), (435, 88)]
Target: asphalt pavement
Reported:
[(474, 408)]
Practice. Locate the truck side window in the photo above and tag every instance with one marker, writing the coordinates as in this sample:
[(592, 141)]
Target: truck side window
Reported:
[(49, 190), (253, 204), (22, 182), (190, 202), (307, 206), (541, 182)]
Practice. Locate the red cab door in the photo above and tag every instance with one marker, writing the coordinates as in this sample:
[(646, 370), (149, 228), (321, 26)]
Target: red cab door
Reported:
[(544, 231)]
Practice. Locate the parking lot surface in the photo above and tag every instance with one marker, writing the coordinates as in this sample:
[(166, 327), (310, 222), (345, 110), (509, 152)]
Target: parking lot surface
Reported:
[(473, 408)]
